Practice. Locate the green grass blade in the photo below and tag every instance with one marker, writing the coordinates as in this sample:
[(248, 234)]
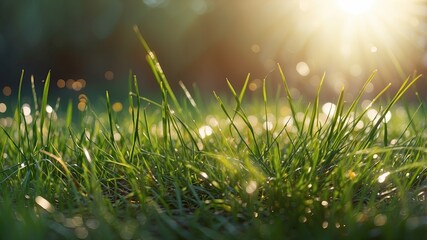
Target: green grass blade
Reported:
[(110, 118), (43, 105), (289, 97)]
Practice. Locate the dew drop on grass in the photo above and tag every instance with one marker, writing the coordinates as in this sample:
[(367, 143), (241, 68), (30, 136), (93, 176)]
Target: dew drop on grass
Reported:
[(87, 155), (325, 225), (251, 187), (45, 204), (325, 203), (22, 165), (204, 175), (383, 177), (303, 219)]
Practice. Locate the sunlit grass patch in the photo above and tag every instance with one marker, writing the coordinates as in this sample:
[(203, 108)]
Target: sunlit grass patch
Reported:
[(180, 167)]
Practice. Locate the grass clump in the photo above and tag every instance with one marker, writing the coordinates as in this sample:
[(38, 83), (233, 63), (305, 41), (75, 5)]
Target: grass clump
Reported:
[(173, 169)]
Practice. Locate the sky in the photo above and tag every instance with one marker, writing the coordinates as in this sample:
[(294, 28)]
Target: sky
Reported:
[(90, 46)]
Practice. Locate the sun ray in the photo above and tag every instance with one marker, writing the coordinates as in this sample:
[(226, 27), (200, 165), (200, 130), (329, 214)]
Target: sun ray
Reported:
[(349, 38)]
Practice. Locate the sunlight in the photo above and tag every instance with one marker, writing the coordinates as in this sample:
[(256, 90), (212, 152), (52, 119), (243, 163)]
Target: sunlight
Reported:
[(356, 7), (349, 39)]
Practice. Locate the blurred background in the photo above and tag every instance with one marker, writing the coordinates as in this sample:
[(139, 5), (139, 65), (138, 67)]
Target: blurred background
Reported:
[(90, 46)]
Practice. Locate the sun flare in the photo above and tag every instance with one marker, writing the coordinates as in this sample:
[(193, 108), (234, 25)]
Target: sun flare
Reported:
[(356, 7), (351, 38)]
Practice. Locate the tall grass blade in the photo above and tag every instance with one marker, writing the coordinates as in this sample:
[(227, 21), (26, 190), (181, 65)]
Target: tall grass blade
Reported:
[(289, 97), (33, 90), (110, 118), (18, 110), (135, 120), (156, 68), (43, 105)]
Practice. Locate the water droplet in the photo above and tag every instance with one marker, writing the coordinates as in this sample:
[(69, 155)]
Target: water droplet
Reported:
[(45, 204), (324, 203), (204, 175), (383, 177), (251, 187), (302, 219), (325, 225)]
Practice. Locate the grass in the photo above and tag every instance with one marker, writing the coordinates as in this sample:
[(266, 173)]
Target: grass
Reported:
[(182, 168)]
